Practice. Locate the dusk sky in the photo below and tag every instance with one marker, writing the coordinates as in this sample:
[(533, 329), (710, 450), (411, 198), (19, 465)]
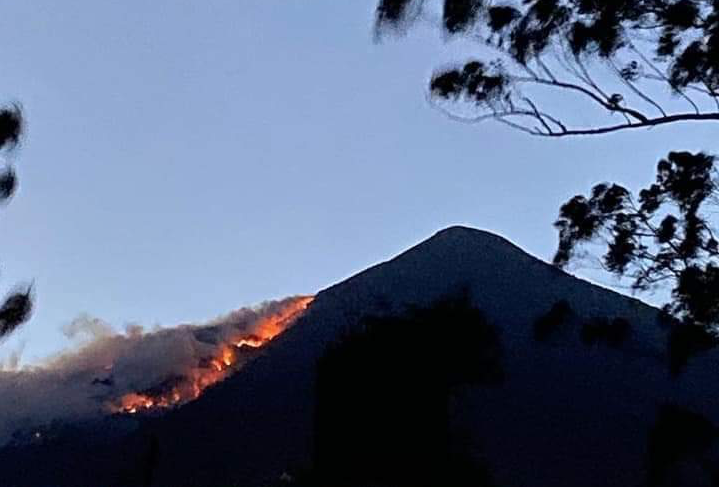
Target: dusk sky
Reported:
[(183, 159)]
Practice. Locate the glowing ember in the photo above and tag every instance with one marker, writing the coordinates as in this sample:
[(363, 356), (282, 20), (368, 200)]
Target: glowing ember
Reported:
[(197, 379)]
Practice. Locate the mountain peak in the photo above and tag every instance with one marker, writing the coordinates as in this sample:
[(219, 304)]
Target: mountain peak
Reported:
[(457, 230), (502, 279), (460, 237)]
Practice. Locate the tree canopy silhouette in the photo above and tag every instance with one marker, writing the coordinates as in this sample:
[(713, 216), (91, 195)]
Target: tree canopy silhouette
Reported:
[(17, 306), (384, 393), (642, 63), (628, 58), (661, 235)]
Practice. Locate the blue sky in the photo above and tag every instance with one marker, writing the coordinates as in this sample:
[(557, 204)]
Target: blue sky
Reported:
[(186, 158)]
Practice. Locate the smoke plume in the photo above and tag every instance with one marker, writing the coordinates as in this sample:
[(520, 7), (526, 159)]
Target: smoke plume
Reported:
[(135, 371)]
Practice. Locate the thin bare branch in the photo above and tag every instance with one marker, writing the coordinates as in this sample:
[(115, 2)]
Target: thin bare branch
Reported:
[(571, 86), (662, 76), (636, 90), (652, 122), (546, 70), (587, 78), (538, 115)]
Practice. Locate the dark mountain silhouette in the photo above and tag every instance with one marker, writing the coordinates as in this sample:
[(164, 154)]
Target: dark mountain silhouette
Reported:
[(527, 375)]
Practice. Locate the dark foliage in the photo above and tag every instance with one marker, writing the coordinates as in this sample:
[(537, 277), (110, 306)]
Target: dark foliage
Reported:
[(15, 311), (483, 84), (554, 319), (686, 341), (601, 330), (675, 42), (8, 183), (383, 395), (393, 13), (501, 17), (17, 307), (678, 436), (460, 15), (11, 126), (660, 236), (696, 292)]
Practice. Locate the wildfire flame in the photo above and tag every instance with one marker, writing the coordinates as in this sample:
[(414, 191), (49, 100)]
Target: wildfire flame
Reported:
[(196, 380)]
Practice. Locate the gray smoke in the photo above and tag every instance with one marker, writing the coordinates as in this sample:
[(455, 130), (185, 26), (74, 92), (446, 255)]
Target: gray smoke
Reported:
[(81, 384)]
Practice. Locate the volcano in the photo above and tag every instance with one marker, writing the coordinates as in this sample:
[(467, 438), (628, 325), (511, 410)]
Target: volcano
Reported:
[(463, 357)]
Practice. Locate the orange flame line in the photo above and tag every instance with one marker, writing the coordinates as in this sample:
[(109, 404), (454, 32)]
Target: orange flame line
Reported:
[(198, 379)]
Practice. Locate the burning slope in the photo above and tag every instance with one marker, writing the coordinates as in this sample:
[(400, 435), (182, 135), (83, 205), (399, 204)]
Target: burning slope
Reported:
[(191, 383), (261, 422), (136, 371)]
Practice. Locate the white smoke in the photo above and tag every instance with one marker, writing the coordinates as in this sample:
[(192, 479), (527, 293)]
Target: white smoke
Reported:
[(107, 365)]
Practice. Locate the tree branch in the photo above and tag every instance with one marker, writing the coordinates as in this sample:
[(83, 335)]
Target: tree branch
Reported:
[(636, 90), (571, 86), (652, 122), (662, 77)]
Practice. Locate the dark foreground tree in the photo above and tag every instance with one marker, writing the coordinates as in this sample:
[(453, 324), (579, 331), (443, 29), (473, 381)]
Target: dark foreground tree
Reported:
[(384, 394), (17, 306), (627, 58), (661, 235)]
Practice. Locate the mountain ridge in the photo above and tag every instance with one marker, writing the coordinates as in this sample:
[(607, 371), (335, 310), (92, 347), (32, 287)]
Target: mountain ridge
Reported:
[(563, 388), (454, 233), (496, 271)]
